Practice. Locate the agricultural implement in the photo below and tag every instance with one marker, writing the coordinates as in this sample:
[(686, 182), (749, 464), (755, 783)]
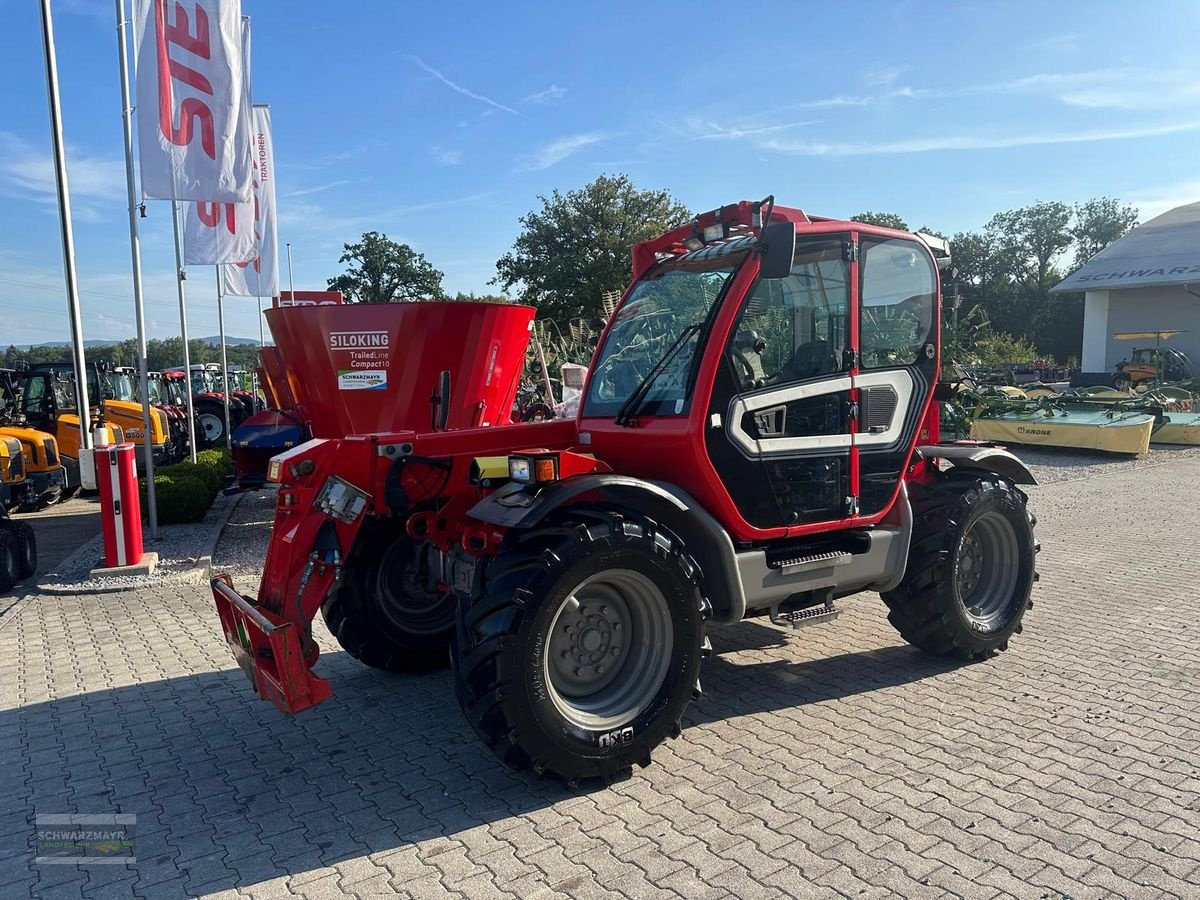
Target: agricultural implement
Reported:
[(365, 372), (757, 438), (34, 454)]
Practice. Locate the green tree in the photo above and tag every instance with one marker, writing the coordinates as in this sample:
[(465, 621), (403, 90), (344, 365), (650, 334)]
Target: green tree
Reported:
[(882, 219), (1098, 223), (384, 271), (1029, 241), (577, 245), (472, 297)]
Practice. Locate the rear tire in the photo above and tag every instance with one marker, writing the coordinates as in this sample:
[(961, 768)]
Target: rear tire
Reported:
[(556, 607), (383, 613), (970, 567), (25, 546), (9, 561)]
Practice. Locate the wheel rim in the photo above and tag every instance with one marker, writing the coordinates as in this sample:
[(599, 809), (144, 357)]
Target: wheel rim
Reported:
[(609, 649), (406, 599), (212, 425), (987, 570)]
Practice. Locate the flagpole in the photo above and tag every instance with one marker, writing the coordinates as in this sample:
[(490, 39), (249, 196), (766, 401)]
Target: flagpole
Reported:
[(224, 357), (68, 235), (135, 251), (291, 283), (180, 276)]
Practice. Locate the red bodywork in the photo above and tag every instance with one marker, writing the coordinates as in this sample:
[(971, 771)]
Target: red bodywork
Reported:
[(307, 547), (365, 368)]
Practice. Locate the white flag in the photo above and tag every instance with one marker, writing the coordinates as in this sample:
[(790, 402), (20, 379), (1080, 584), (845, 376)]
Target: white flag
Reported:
[(223, 232), (218, 233), (191, 100), (260, 278)]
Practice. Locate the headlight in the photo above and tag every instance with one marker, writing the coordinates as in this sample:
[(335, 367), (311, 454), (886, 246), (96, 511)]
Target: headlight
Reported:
[(533, 468), (341, 500), (518, 468)]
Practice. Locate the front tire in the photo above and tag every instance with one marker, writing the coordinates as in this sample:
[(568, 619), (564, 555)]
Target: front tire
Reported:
[(581, 647), (385, 613), (970, 567)]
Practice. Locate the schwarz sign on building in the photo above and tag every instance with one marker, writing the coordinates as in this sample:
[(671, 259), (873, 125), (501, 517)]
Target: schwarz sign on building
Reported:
[(1148, 281)]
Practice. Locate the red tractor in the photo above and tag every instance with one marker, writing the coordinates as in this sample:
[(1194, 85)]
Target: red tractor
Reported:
[(757, 437)]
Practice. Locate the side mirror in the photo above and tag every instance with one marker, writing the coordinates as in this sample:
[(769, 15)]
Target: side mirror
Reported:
[(776, 249)]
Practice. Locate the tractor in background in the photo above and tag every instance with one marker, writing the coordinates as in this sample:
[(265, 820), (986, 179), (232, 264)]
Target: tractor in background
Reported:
[(1149, 366), (757, 437), (37, 472)]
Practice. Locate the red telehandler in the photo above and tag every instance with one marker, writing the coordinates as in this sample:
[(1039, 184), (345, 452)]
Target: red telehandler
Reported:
[(758, 436)]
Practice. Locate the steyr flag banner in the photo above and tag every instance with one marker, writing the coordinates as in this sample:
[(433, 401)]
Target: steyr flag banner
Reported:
[(218, 233), (223, 232), (259, 278), (192, 115)]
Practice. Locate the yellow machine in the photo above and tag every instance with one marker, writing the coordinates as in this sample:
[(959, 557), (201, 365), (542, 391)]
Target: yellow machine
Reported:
[(12, 474), (42, 478), (48, 402), (44, 413)]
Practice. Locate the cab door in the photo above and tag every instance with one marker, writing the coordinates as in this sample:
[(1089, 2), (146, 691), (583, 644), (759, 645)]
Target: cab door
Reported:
[(780, 431), (898, 361)]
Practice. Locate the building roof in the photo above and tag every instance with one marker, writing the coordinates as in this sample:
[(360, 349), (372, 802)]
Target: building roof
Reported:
[(1166, 250)]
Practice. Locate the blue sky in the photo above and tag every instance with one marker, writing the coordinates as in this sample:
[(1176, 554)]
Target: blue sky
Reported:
[(440, 125)]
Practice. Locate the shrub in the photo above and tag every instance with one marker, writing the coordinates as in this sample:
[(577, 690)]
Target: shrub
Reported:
[(217, 457), (179, 498), (204, 472)]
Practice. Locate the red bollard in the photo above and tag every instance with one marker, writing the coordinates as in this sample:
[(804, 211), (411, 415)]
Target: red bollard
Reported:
[(120, 508)]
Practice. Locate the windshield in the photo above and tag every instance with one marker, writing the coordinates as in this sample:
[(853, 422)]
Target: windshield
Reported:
[(670, 299), (122, 386), (157, 392)]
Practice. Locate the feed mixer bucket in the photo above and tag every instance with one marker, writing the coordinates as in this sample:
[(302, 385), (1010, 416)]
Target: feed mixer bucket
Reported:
[(373, 367)]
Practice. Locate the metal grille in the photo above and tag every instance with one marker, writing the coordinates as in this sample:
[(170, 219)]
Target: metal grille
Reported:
[(878, 407)]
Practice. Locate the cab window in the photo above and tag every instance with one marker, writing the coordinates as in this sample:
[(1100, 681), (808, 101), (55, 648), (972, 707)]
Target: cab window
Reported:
[(899, 297), (795, 328)]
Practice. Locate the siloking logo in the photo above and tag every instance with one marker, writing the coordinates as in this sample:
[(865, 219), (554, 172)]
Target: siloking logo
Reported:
[(358, 340)]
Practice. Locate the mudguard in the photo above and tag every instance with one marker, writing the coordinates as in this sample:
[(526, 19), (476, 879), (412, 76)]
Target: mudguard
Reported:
[(981, 455), (518, 506)]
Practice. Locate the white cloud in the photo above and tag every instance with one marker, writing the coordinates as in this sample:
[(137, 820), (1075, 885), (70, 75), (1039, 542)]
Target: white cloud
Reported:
[(30, 169), (303, 192), (708, 130), (972, 142), (446, 156), (547, 95), (1154, 201), (466, 92), (884, 76), (556, 151)]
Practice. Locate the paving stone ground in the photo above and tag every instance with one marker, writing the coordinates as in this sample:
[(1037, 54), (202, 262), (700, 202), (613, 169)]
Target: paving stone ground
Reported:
[(61, 529), (834, 762)]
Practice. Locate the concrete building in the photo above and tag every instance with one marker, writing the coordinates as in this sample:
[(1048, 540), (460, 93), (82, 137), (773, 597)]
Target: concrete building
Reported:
[(1148, 280)]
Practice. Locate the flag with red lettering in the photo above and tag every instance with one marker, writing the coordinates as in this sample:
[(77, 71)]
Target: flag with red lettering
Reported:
[(192, 115), (218, 233), (223, 232), (259, 278)]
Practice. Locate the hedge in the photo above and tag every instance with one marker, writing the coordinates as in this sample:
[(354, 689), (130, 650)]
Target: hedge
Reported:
[(179, 498), (184, 491)]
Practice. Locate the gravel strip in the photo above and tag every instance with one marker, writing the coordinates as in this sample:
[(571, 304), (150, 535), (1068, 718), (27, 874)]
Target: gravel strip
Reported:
[(242, 549), (1050, 466), (184, 553)]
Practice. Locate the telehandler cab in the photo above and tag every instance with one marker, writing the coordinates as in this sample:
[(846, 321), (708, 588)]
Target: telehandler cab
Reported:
[(757, 437)]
